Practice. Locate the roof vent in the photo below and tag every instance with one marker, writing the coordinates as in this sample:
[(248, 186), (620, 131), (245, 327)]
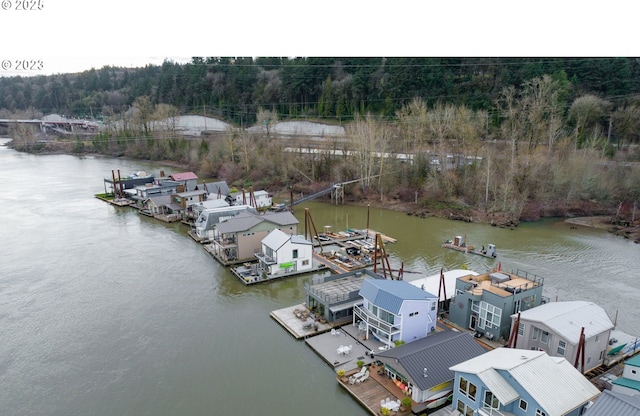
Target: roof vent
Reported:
[(425, 372)]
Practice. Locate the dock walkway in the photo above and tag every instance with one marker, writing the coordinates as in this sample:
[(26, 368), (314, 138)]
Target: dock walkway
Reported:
[(249, 275)]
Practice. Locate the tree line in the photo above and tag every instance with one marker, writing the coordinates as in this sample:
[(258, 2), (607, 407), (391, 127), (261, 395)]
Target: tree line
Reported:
[(334, 89)]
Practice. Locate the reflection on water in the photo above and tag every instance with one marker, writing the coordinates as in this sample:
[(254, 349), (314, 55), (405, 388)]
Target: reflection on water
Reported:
[(108, 312)]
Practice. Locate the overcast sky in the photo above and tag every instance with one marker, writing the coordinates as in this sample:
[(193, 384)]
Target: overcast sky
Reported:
[(57, 36)]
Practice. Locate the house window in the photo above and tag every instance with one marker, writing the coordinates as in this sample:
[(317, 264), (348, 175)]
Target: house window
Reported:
[(633, 371), (536, 332), (545, 337), (305, 262), (521, 329), (433, 306), (385, 316), (373, 309), (490, 400), (562, 347), (475, 306), (489, 316), (597, 338), (467, 389), (522, 405), (540, 413), (295, 254), (464, 409)]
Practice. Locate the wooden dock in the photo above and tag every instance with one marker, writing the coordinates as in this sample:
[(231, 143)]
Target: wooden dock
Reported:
[(120, 202), (378, 387)]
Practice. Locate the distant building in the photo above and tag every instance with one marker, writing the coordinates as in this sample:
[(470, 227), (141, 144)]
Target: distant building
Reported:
[(555, 328), (187, 199), (216, 190), (118, 182), (207, 218), (395, 310), (485, 303), (262, 199), (509, 381), (187, 179), (158, 205), (141, 193)]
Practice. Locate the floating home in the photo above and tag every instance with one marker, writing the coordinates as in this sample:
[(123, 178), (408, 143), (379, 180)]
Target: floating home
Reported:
[(485, 303), (209, 217)]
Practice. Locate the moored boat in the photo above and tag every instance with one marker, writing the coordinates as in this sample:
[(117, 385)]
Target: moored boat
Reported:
[(460, 245)]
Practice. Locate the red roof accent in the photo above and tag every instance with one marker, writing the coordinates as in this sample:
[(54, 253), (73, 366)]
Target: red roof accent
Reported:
[(184, 176)]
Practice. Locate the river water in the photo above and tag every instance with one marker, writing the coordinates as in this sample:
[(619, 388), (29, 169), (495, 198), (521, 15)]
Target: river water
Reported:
[(107, 312)]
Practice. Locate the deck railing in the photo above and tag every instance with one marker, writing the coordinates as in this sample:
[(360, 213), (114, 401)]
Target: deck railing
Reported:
[(374, 321)]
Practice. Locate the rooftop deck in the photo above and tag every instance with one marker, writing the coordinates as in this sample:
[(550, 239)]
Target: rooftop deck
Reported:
[(510, 284)]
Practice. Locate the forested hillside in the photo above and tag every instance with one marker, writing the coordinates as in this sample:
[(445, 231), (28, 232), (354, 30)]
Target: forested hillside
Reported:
[(323, 88)]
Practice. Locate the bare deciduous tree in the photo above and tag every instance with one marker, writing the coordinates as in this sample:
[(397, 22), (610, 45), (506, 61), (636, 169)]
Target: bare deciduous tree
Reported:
[(585, 112)]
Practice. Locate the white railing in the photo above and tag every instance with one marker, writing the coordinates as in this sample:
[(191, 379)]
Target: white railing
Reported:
[(489, 411), (374, 321)]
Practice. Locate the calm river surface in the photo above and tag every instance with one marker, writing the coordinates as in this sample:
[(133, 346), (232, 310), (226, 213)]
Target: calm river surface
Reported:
[(106, 312)]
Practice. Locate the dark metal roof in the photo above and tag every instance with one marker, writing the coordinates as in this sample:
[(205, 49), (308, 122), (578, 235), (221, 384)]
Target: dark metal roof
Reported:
[(160, 200), (213, 188), (436, 352), (247, 220), (611, 403), (281, 218)]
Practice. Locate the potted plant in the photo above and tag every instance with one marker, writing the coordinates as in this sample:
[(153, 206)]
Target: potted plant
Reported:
[(406, 403), (360, 363), (384, 411), (341, 374)]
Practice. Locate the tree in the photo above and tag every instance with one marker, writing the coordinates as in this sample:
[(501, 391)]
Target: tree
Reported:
[(266, 118), (166, 117), (369, 141), (585, 112), (626, 124), (143, 110), (413, 121)]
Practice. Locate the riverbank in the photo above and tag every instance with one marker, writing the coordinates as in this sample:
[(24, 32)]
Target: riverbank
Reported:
[(586, 213), (622, 229)]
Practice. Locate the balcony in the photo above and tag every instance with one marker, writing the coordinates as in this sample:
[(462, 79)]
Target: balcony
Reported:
[(225, 242), (375, 322), (265, 259)]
